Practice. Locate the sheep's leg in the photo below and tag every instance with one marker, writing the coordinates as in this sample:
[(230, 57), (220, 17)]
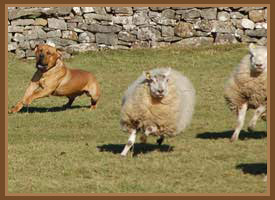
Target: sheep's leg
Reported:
[(160, 140), (240, 122), (258, 112), (130, 143)]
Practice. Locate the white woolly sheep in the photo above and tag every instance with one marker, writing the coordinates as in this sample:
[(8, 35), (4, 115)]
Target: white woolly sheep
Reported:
[(160, 102), (246, 88)]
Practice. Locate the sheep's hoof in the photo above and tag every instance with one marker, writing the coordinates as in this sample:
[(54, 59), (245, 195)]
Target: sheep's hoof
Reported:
[(159, 141), (233, 139)]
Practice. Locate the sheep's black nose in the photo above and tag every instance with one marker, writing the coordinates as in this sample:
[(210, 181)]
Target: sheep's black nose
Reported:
[(160, 90)]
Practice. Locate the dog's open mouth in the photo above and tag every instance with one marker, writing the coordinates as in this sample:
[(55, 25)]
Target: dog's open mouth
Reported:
[(41, 67)]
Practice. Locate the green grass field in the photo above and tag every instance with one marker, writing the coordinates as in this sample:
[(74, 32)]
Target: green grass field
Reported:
[(52, 150)]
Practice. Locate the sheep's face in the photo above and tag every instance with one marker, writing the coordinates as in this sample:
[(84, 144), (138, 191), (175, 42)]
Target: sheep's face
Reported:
[(158, 83), (258, 58)]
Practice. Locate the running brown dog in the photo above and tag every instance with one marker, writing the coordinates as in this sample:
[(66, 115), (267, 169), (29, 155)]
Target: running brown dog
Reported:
[(54, 78)]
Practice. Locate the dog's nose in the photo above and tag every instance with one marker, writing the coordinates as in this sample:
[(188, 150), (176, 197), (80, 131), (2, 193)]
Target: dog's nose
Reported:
[(41, 56)]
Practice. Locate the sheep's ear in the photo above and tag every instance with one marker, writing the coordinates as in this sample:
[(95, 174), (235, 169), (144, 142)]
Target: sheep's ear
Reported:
[(252, 46), (147, 75), (168, 72)]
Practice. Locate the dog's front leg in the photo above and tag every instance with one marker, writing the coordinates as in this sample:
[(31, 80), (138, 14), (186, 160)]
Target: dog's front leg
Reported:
[(39, 94), (29, 91)]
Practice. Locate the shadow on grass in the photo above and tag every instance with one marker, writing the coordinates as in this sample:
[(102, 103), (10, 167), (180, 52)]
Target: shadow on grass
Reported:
[(51, 109), (228, 134), (138, 148), (253, 168)]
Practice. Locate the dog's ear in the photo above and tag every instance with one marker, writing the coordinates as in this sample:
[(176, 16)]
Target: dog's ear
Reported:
[(59, 54), (36, 47)]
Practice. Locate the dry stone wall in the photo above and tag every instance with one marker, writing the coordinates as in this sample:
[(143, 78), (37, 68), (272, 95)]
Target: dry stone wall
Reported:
[(79, 29)]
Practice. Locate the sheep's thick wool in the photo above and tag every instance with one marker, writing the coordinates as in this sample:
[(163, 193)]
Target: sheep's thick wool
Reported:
[(245, 86), (170, 115)]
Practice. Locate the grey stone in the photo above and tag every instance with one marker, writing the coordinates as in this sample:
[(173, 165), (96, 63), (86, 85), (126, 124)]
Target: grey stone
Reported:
[(53, 34), (168, 13), (225, 38), (19, 12), (209, 13), (247, 24), (141, 44), (257, 15), (106, 38), (30, 34), (60, 42), (256, 33), (166, 22), (248, 39), (189, 14), (108, 9), (97, 28), (203, 25), (20, 53), (127, 37), (148, 33), (184, 30), (247, 9), (222, 27), (63, 10), (167, 31), (158, 8), (122, 10), (18, 37), (15, 29), (154, 15), (77, 10), (122, 20), (123, 43), (40, 22), (57, 24), (100, 10), (86, 37), (82, 47), (12, 46), (83, 26), (98, 17), (9, 37), (141, 18), (171, 39), (76, 19), (30, 53), (261, 25), (195, 41), (22, 22), (202, 34), (71, 26), (24, 44), (87, 9), (236, 15), (89, 21), (71, 35), (33, 43), (40, 32), (140, 8), (223, 16)]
